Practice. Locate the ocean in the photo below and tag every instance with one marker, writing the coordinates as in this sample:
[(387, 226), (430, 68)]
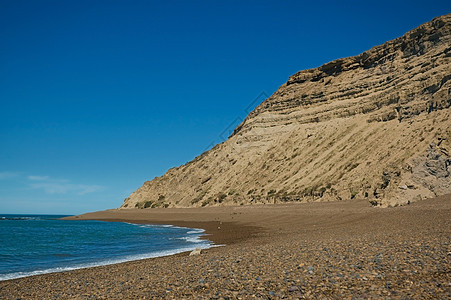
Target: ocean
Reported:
[(39, 244)]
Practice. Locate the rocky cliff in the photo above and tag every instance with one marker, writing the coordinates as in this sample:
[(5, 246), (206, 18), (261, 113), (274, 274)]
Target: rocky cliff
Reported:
[(374, 126)]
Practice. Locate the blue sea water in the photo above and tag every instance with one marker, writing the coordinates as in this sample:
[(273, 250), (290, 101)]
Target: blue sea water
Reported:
[(38, 244)]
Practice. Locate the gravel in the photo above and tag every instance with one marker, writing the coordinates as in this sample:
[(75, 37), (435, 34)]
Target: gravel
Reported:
[(350, 252)]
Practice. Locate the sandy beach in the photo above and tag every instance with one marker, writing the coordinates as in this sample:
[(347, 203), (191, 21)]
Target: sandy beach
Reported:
[(330, 250)]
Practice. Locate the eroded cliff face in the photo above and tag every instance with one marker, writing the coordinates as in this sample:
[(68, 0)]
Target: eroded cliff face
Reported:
[(374, 126)]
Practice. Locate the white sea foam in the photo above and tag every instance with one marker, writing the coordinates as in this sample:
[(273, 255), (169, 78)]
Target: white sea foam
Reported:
[(191, 231), (196, 231), (191, 239), (194, 236)]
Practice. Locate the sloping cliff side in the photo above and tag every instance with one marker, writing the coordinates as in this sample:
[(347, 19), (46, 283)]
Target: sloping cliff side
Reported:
[(374, 126)]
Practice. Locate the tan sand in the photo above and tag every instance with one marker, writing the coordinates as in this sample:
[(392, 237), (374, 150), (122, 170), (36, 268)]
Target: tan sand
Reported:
[(315, 250)]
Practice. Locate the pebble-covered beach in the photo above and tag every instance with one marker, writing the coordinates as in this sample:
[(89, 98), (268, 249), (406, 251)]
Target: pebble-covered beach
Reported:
[(336, 250)]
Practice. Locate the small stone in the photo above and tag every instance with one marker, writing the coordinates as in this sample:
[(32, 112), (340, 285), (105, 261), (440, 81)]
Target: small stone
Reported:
[(195, 252), (293, 288)]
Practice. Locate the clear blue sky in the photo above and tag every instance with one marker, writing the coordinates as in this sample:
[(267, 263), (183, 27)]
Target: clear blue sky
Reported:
[(97, 97)]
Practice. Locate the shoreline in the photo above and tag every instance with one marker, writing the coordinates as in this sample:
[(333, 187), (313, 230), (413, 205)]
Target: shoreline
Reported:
[(216, 230), (230, 233), (303, 250), (200, 235)]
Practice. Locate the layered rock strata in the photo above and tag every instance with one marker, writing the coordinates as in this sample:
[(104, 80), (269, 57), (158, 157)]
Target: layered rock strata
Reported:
[(374, 126)]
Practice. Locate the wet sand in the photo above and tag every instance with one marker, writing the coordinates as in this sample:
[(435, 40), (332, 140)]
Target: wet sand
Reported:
[(329, 250)]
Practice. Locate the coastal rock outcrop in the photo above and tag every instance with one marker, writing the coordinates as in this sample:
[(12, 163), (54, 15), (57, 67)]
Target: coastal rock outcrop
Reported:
[(374, 126)]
